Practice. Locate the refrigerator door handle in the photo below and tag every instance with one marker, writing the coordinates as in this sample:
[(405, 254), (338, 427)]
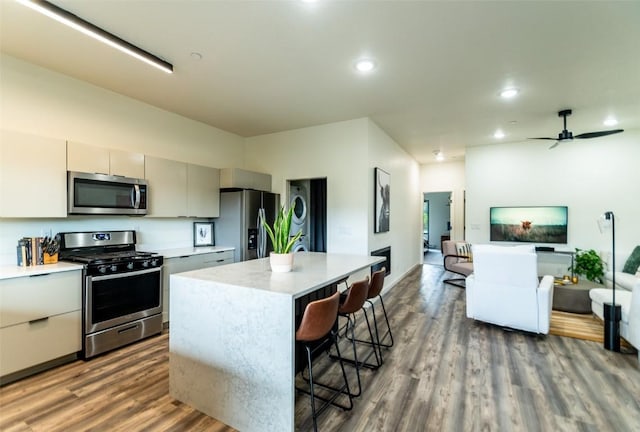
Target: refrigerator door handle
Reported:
[(261, 234)]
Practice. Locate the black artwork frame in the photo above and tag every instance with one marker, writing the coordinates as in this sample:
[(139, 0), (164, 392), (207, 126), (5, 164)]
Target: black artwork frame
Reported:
[(382, 200), (203, 234)]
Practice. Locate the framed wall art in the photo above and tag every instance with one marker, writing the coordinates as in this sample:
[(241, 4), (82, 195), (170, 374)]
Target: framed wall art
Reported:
[(203, 234), (381, 200)]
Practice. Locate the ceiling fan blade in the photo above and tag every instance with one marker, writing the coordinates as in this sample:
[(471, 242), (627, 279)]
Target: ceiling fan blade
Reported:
[(545, 138), (554, 145), (599, 134)]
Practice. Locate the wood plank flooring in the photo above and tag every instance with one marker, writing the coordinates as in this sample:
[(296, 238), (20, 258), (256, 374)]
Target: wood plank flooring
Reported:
[(445, 373)]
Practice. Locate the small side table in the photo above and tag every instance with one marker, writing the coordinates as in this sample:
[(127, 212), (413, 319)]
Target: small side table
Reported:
[(574, 297)]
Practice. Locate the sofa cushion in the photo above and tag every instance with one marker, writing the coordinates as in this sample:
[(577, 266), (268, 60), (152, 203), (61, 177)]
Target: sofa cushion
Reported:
[(623, 280), (601, 296), (633, 262)]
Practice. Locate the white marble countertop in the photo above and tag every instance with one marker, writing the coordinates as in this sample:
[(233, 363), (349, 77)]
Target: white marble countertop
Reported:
[(13, 271), (187, 251), (311, 270)]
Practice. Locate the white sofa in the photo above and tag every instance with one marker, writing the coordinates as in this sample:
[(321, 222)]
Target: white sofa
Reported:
[(504, 288), (630, 305), (624, 281)]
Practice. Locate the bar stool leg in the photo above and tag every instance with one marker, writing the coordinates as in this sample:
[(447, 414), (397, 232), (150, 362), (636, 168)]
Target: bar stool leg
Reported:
[(386, 318), (314, 416)]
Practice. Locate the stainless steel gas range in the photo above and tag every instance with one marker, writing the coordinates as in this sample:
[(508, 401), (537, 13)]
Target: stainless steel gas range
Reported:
[(121, 288)]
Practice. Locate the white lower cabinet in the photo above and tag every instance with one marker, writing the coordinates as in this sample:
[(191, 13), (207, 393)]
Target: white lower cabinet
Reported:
[(188, 263), (40, 319)]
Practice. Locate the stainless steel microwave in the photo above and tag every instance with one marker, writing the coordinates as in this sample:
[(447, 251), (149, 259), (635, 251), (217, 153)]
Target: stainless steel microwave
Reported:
[(104, 194)]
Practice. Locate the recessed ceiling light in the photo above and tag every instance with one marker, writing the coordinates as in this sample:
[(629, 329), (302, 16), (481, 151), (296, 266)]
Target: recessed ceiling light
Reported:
[(365, 65), (498, 134), (610, 121), (196, 56), (509, 93)]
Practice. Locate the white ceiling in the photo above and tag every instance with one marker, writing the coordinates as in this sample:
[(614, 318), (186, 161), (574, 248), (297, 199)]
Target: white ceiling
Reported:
[(269, 66)]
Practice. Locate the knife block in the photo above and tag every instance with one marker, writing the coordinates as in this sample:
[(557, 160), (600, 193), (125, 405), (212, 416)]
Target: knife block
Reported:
[(49, 259)]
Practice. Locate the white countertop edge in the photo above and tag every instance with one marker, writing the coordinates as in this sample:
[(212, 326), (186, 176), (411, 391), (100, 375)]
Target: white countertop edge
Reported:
[(186, 251), (12, 271), (304, 278)]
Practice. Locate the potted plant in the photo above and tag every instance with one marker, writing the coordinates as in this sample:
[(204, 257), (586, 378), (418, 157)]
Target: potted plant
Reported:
[(589, 264), (281, 257)]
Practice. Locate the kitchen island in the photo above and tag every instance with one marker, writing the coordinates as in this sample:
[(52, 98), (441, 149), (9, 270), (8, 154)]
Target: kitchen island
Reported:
[(232, 348)]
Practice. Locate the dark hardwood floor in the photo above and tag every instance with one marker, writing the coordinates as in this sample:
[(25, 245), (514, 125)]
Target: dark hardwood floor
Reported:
[(445, 373)]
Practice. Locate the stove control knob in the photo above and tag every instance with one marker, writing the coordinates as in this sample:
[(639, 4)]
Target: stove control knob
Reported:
[(145, 263), (113, 268), (102, 269), (130, 265), (154, 262)]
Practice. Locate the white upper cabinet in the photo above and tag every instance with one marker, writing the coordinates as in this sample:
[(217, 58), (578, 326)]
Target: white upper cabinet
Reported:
[(93, 159), (167, 187), (203, 191), (178, 189), (33, 176), (127, 164)]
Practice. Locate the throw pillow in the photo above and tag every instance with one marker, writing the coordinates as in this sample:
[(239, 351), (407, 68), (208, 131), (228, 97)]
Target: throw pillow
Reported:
[(464, 249), (633, 262)]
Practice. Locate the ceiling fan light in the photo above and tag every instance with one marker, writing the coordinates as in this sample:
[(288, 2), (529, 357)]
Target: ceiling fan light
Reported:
[(610, 121)]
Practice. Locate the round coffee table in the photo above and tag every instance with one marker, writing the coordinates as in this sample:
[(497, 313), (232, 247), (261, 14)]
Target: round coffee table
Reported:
[(574, 297)]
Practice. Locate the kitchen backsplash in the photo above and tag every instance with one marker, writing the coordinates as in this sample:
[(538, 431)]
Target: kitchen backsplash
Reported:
[(152, 234)]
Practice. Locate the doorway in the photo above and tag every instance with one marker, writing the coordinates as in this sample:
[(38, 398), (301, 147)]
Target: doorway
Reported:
[(308, 198), (436, 219)]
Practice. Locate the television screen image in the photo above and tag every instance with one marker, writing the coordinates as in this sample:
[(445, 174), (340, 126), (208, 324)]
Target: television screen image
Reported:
[(529, 224)]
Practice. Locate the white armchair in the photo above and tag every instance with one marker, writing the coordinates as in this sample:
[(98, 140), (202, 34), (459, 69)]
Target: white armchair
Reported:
[(504, 288)]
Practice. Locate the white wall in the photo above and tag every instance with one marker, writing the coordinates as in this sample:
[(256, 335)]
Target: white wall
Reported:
[(589, 176), (42, 102), (445, 177), (336, 151), (346, 153), (405, 217)]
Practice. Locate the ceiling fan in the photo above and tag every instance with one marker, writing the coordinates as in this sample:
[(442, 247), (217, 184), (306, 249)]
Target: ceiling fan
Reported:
[(567, 135)]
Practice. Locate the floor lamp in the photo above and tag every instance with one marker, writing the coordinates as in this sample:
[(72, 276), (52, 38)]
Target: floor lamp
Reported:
[(612, 311)]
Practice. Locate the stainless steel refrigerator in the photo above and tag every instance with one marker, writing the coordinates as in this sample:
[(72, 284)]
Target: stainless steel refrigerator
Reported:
[(239, 222)]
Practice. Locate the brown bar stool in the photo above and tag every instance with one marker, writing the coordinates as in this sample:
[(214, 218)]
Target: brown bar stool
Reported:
[(315, 329), (375, 290), (354, 299)]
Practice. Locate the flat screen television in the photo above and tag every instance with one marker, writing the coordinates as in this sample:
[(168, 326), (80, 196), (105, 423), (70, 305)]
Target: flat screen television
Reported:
[(546, 224)]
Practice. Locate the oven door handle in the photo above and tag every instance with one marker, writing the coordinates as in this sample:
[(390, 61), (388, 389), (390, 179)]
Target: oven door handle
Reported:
[(124, 275)]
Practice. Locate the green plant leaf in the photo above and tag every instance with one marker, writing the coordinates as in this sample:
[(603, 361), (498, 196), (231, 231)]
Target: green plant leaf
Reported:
[(279, 233), (589, 264)]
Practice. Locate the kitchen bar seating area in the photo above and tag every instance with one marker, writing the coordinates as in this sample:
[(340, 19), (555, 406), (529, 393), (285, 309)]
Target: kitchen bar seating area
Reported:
[(220, 379)]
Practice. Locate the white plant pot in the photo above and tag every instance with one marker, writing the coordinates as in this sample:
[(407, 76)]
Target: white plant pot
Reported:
[(281, 263)]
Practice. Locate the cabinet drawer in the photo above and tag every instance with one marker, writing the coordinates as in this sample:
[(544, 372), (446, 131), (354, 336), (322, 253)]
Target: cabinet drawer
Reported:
[(29, 344), (218, 258), (25, 299)]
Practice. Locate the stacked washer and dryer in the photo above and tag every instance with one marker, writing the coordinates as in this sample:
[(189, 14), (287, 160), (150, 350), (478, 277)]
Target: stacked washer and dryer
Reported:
[(299, 201)]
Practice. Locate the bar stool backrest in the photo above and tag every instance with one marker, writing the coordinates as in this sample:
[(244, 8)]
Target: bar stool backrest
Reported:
[(377, 282), (356, 297), (318, 318)]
